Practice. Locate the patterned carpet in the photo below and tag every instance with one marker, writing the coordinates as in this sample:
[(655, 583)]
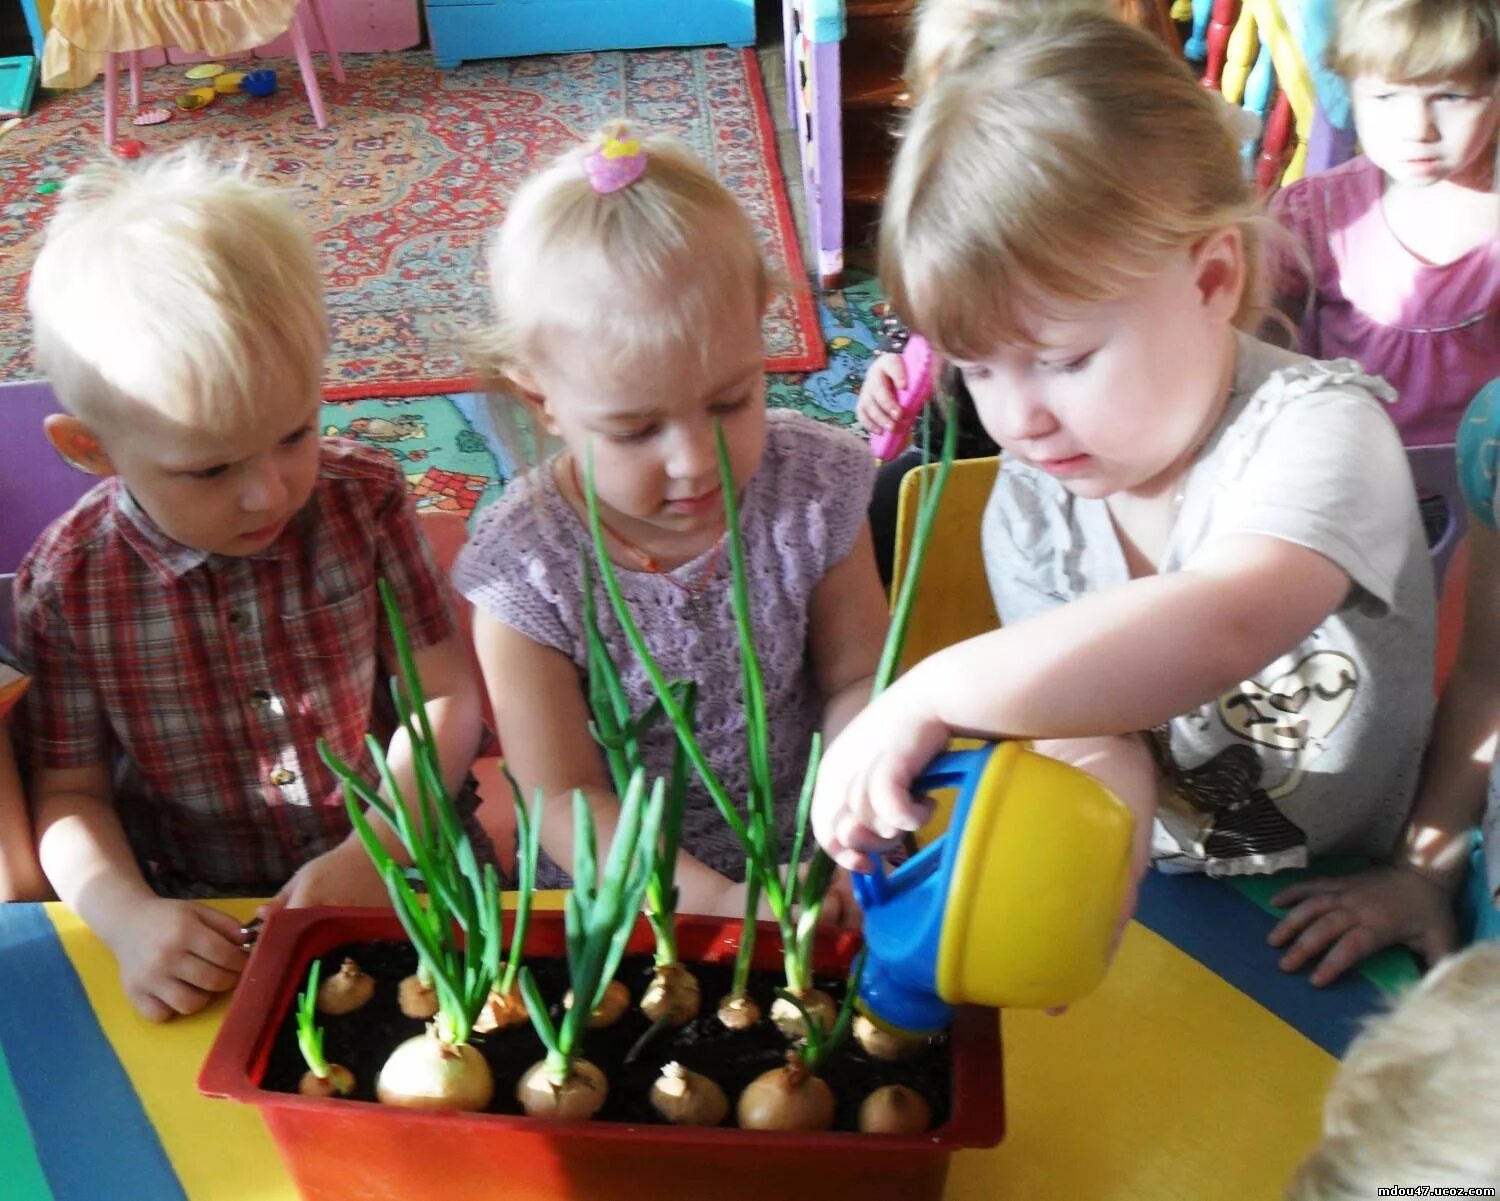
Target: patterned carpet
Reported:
[(453, 463), (414, 168)]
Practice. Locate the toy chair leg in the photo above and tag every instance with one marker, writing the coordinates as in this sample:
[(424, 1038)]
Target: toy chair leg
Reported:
[(309, 76), (135, 81), (111, 96), (321, 25)]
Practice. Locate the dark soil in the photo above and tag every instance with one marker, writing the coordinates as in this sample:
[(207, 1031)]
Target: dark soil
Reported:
[(362, 1040)]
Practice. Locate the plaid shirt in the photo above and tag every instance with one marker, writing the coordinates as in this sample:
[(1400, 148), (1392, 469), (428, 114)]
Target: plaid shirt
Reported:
[(213, 677)]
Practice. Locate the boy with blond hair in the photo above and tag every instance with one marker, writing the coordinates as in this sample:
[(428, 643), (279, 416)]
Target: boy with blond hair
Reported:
[(208, 613), (1416, 1101)]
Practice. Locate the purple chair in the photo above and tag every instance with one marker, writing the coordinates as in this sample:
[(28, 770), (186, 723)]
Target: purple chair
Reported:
[(35, 484), (1434, 470)]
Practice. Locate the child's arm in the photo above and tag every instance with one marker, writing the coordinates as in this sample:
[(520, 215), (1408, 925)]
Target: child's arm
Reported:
[(345, 875), (543, 719), (1114, 662), (21, 877), (173, 955), (1410, 900), (847, 622)]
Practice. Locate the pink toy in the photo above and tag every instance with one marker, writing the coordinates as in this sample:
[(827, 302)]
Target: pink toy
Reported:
[(917, 362)]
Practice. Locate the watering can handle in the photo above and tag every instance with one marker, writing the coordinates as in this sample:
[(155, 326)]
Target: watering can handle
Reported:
[(946, 770)]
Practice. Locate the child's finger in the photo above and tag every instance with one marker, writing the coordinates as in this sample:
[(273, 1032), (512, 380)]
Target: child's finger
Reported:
[(181, 997), (1304, 889), (210, 977), (871, 415), (1313, 941), (896, 371), (220, 923), (848, 858), (149, 1006), (1302, 914), (1353, 946), (860, 838), (894, 809)]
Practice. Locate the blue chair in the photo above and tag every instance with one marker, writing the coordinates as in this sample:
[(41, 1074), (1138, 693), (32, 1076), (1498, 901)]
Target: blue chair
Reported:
[(1434, 470)]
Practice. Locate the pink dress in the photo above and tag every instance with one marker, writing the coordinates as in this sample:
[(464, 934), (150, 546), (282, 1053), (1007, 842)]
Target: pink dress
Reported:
[(1432, 332)]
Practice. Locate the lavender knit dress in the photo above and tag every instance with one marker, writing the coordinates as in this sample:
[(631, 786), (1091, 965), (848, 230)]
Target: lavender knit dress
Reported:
[(799, 517)]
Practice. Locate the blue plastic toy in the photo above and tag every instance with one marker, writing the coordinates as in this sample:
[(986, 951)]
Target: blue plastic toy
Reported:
[(259, 83)]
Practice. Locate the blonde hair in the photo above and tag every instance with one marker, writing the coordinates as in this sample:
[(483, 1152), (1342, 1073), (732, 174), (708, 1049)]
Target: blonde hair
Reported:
[(1060, 163), (1417, 1098), (179, 284), (1416, 41), (641, 270), (943, 30)]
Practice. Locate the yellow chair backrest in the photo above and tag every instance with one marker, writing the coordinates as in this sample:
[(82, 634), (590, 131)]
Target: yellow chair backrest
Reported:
[(953, 599)]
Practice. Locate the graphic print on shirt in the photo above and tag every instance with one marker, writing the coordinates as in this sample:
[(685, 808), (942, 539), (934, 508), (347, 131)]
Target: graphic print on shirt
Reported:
[(1294, 714)]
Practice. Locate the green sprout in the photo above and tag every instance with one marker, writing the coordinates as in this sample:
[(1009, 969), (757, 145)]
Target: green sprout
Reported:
[(618, 733), (816, 1043), (528, 847), (795, 904), (457, 931), (309, 1033), (929, 498), (599, 917)]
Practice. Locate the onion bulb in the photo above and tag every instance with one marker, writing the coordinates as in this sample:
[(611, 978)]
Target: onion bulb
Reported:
[(500, 1012), (687, 1098), (786, 1098), (339, 1082), (424, 1072), (883, 1042), (611, 1008), (417, 999), (788, 1017), (576, 1099), (673, 996), (346, 990), (894, 1109), (738, 1012)]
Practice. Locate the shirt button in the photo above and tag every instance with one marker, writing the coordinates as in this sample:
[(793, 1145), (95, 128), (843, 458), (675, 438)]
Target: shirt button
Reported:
[(238, 619), (280, 776), (260, 698)]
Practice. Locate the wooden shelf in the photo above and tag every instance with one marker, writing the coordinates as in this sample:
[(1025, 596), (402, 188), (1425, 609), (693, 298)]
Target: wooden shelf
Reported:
[(855, 10), (873, 83)]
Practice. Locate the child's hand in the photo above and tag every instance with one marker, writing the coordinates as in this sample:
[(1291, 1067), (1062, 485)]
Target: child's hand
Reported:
[(342, 876), (863, 801), (175, 955), (1352, 917), (839, 905), (877, 409)]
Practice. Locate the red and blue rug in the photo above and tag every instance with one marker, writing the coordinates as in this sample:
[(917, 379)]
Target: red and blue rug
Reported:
[(414, 169)]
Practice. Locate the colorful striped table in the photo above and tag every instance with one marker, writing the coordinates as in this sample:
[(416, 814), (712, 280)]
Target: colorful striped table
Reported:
[(1195, 1072)]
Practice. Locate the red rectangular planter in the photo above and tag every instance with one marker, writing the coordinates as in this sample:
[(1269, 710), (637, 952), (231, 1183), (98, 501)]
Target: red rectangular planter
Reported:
[(337, 1149)]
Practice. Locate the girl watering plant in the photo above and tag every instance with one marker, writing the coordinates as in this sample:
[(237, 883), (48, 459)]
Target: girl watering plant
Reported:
[(629, 288), (1205, 550)]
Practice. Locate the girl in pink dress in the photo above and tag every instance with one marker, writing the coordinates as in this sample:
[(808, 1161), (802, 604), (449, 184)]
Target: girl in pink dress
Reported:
[(1403, 242)]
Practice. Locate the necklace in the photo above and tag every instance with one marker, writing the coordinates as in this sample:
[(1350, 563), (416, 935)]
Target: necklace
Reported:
[(697, 603)]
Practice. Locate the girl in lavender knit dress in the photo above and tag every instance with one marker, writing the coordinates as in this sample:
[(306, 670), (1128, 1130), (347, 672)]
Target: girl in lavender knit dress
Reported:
[(629, 287)]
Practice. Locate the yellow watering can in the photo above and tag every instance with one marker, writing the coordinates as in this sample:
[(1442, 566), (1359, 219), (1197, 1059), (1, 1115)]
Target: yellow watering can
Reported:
[(1015, 905)]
